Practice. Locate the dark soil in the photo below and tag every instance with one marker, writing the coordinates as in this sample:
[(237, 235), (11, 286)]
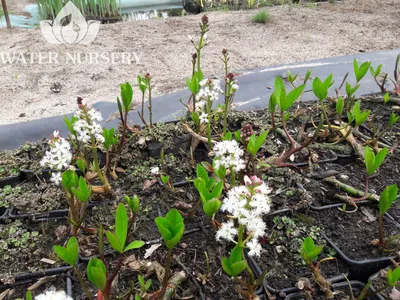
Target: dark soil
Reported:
[(379, 281), (354, 232), (281, 255)]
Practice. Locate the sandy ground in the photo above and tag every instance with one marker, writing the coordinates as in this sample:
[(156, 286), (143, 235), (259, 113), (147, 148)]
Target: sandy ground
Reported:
[(292, 36)]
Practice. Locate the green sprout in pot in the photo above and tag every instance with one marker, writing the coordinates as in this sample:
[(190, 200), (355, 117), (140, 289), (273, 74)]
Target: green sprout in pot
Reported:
[(285, 100), (143, 86), (124, 107), (372, 164), (96, 269), (392, 281), (246, 205), (69, 254), (210, 192), (310, 252), (253, 146), (388, 196), (171, 228), (78, 193)]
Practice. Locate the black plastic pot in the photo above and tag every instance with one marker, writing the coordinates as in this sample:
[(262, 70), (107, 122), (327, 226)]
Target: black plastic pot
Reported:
[(29, 277), (361, 270), (12, 181), (179, 144), (372, 290), (3, 213), (356, 287), (50, 215), (257, 270)]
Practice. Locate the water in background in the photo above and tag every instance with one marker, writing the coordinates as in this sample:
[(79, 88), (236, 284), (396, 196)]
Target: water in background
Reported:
[(132, 10)]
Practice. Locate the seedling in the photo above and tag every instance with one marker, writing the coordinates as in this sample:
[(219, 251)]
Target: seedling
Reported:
[(144, 287), (171, 228), (392, 280), (96, 270), (285, 101), (380, 81), (69, 254), (254, 145), (320, 90), (310, 252), (124, 107), (143, 86), (388, 196), (78, 193), (110, 140)]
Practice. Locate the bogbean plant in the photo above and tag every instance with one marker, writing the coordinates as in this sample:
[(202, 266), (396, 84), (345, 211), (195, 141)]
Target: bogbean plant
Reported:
[(381, 78), (96, 270), (392, 281), (310, 252)]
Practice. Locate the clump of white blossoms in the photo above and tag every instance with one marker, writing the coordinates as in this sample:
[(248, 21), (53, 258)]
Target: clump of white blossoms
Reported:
[(52, 294), (229, 155), (58, 157), (209, 92), (86, 126), (246, 204)]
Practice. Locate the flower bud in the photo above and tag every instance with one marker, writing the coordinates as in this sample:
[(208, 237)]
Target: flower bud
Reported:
[(224, 51), (204, 20)]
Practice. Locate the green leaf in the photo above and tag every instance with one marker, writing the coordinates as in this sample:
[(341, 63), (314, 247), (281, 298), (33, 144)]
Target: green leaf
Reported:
[(393, 276), (126, 95), (339, 106), (272, 103), (81, 165), (109, 138), (201, 172), (69, 180), (97, 273), (393, 119), (164, 179), (360, 71), (292, 97), (227, 136), (217, 190), (238, 135), (369, 159), (211, 207), (83, 192), (328, 82), (69, 254), (121, 224), (279, 90), (380, 157), (388, 196), (171, 227), (141, 280), (235, 264), (308, 74), (28, 295), (133, 203), (70, 124), (309, 251), (320, 89), (114, 241), (261, 139), (134, 245), (386, 98)]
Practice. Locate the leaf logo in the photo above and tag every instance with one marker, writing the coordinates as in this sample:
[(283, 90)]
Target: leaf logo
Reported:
[(77, 31)]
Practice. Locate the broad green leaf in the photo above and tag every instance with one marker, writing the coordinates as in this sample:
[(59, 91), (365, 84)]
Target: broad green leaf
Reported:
[(217, 190), (308, 74), (380, 157), (320, 89), (69, 254), (114, 241), (212, 206), (171, 227), (141, 280), (81, 165), (261, 139), (393, 119), (339, 106), (388, 196), (292, 97), (328, 82), (360, 71), (121, 224), (164, 179), (126, 95), (134, 245), (201, 172), (272, 103), (28, 295), (69, 180), (238, 135), (96, 266), (279, 90), (369, 159), (393, 276), (84, 190)]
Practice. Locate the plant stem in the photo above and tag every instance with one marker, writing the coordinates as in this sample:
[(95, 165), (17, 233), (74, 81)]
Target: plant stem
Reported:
[(150, 107), (233, 177), (209, 103), (381, 230), (167, 272), (82, 283), (124, 126), (110, 280)]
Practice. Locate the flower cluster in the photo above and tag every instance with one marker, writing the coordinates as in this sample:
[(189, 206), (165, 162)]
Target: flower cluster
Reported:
[(232, 82), (52, 294), (209, 91), (229, 155), (86, 126), (247, 204), (58, 157)]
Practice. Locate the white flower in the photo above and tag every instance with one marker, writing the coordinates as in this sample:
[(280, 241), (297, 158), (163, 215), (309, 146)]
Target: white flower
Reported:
[(59, 156), (229, 154), (254, 247), (56, 134), (155, 171), (56, 178), (210, 90), (86, 126), (203, 117), (52, 294), (227, 231)]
